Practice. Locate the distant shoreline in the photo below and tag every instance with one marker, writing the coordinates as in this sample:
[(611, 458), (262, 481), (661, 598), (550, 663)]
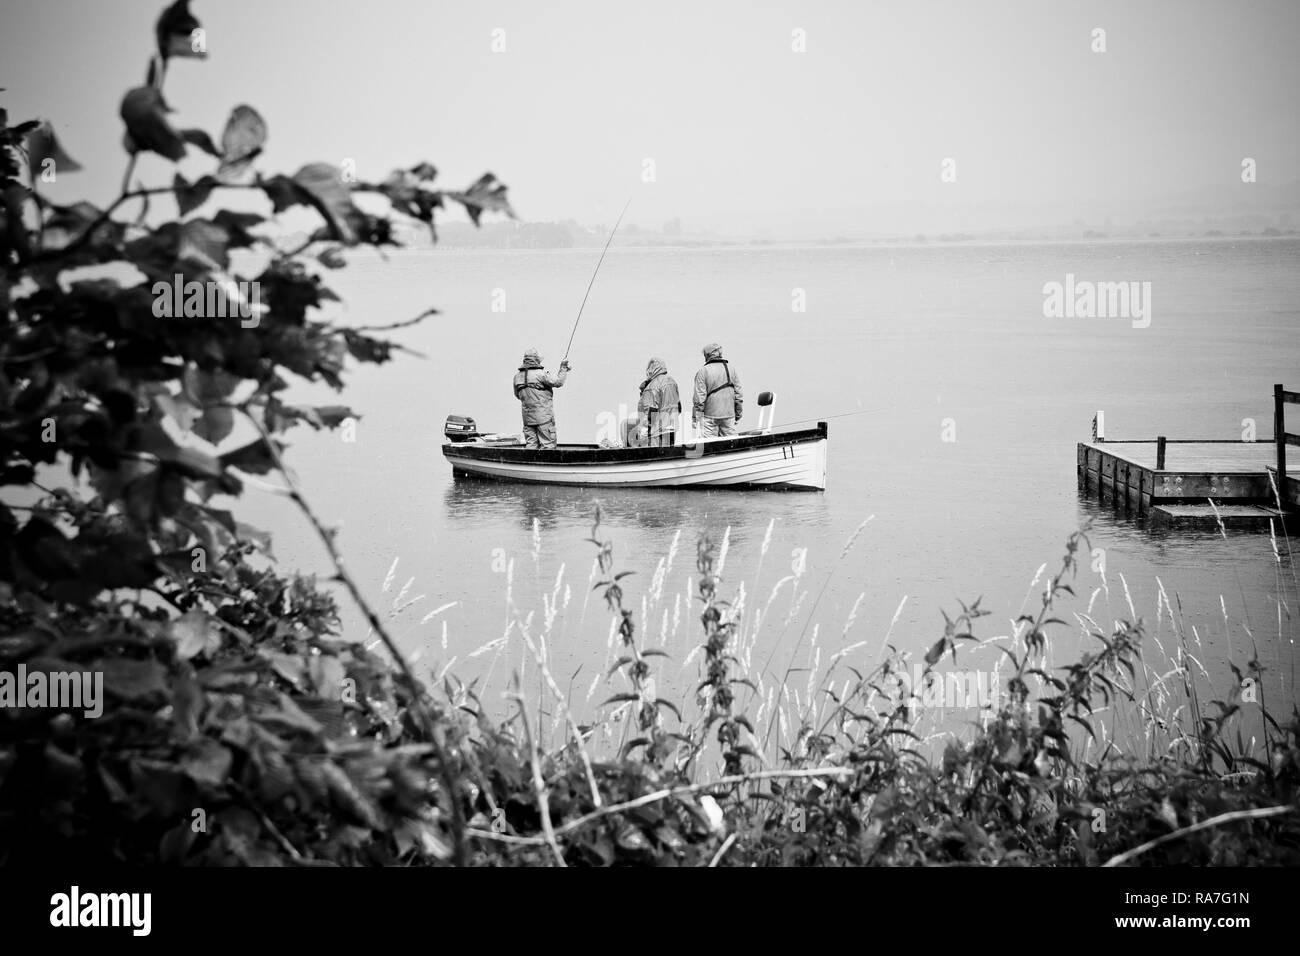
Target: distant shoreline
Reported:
[(721, 244)]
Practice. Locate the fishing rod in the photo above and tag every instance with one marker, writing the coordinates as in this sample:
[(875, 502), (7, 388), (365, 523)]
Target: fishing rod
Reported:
[(593, 279)]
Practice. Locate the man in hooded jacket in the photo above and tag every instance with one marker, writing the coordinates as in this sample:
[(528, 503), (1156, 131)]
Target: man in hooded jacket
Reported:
[(659, 405), (534, 387), (719, 399)]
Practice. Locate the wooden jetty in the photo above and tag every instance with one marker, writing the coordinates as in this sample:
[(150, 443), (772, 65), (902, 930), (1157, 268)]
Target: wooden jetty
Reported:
[(1196, 483)]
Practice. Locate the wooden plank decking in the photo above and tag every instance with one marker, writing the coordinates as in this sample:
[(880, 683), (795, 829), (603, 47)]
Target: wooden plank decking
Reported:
[(1227, 457)]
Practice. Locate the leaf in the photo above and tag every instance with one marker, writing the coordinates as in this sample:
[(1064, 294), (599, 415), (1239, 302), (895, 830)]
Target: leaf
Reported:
[(133, 680), (630, 838), (323, 416), (664, 702), (425, 172), (1082, 723), (363, 348), (192, 462), (284, 193), (194, 634), (255, 536), (331, 258), (619, 697), (290, 715), (197, 137), (882, 807), (936, 651), (203, 243), (237, 225), (241, 143), (203, 387), (68, 223), (485, 194), (288, 666), (144, 112), (187, 704), (405, 192), (327, 674), (190, 196), (348, 797), (326, 190), (43, 145), (207, 762), (254, 458), (215, 424), (174, 31), (1167, 813)]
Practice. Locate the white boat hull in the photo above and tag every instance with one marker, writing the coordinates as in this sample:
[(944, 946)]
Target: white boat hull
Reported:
[(792, 461)]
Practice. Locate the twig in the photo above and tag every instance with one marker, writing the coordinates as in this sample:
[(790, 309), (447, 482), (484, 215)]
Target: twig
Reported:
[(502, 837), (722, 851), (416, 689), (271, 828), (126, 176), (1259, 813), (394, 325), (107, 215), (658, 795)]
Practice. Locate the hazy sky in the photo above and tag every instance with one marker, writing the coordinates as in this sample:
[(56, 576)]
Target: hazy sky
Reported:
[(743, 131)]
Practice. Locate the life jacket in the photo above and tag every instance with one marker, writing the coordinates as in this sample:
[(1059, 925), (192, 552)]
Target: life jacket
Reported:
[(669, 405), (727, 384), (539, 386), (536, 398)]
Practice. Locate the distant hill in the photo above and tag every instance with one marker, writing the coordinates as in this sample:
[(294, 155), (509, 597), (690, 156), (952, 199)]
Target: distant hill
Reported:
[(568, 234)]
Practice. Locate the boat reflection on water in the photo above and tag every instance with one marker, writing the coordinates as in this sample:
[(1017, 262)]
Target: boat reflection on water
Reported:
[(485, 501)]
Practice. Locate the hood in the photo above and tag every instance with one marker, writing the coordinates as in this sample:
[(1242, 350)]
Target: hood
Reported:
[(532, 359), (712, 351), (653, 370)]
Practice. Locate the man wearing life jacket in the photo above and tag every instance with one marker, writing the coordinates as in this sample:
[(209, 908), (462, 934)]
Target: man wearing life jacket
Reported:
[(534, 387), (659, 405), (719, 399)]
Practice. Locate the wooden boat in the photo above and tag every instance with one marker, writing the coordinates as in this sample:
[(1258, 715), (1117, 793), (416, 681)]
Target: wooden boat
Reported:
[(784, 459)]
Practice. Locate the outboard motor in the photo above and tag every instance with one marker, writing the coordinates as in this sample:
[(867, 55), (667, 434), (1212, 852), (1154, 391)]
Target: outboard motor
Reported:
[(460, 428)]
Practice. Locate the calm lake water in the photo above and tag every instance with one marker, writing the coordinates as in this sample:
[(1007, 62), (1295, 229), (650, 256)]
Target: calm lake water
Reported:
[(899, 347)]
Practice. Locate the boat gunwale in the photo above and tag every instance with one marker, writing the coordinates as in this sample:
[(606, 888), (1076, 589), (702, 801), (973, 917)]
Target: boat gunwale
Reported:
[(568, 455)]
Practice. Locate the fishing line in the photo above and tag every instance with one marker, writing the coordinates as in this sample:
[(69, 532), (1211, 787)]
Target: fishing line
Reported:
[(878, 408), (593, 278), (824, 418)]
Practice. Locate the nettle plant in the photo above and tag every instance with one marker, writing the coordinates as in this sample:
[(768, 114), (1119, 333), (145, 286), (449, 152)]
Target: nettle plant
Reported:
[(238, 728)]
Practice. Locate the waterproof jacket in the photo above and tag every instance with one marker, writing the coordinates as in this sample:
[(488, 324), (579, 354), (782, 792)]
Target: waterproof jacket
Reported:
[(717, 390), (534, 387), (660, 401)]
